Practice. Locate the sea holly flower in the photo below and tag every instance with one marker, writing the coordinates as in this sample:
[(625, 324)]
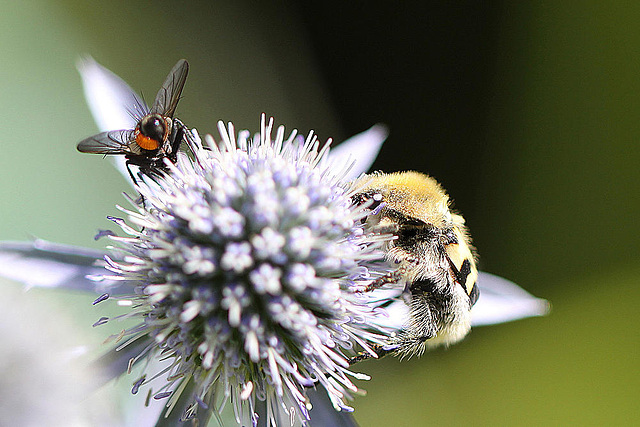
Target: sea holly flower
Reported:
[(241, 268), (244, 264)]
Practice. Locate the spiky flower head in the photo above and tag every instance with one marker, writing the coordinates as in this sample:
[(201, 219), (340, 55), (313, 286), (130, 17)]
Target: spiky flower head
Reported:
[(244, 262)]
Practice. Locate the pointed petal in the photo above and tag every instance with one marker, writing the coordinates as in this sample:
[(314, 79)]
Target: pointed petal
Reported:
[(51, 265), (361, 150), (144, 416), (120, 164), (112, 102), (503, 301), (115, 364), (324, 414), (184, 401)]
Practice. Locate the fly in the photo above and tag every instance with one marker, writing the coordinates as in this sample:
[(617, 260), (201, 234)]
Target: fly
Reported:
[(157, 134)]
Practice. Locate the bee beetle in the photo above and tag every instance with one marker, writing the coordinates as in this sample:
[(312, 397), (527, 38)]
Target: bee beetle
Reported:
[(436, 263)]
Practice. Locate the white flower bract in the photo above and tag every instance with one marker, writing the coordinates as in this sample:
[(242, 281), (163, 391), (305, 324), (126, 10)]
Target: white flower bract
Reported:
[(244, 262)]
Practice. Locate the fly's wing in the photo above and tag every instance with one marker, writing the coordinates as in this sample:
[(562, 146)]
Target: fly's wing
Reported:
[(169, 94), (111, 142)]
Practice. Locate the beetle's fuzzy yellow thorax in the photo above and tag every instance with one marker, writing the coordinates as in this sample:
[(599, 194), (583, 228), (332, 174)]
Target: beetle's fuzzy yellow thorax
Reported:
[(414, 194)]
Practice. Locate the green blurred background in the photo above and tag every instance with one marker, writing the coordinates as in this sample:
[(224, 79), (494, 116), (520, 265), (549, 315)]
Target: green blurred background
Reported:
[(528, 115)]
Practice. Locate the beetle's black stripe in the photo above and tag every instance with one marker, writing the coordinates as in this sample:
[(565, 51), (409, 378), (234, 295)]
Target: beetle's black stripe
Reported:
[(461, 277), (464, 272), (475, 293)]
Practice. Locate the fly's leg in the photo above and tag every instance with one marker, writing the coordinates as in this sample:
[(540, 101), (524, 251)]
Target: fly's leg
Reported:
[(133, 178), (140, 199), (178, 134)]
